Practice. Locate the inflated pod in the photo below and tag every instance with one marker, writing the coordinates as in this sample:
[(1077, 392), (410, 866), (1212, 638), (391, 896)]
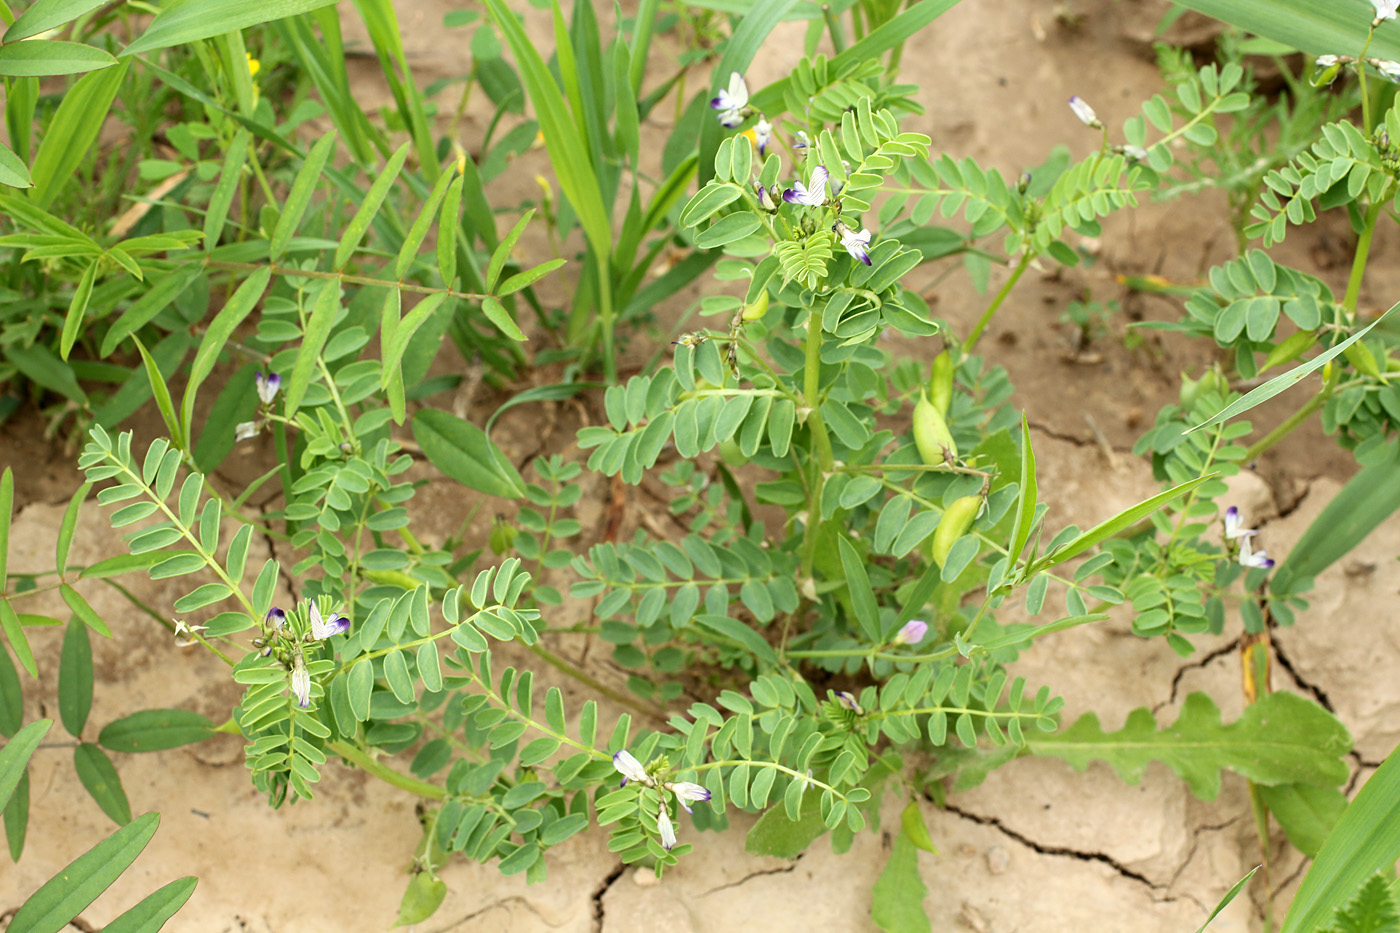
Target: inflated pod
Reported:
[(956, 521), (931, 434), (757, 308), (940, 383)]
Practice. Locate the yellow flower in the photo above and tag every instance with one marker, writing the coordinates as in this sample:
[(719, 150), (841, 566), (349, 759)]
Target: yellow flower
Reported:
[(254, 66)]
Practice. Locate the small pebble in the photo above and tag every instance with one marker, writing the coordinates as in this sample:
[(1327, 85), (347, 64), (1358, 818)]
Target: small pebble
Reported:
[(645, 878), (972, 918), (997, 860)]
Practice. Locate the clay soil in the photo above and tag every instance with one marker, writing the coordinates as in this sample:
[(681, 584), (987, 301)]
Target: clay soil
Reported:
[(1037, 848)]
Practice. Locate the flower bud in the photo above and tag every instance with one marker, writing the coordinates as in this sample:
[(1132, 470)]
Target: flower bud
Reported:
[(956, 521), (931, 434)]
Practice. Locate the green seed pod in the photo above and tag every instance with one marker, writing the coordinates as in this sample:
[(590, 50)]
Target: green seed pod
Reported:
[(732, 454), (931, 434), (940, 383), (956, 520), (757, 308)]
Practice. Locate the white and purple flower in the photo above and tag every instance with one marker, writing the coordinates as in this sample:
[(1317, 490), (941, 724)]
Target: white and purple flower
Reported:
[(1251, 558), (762, 134), (276, 618), (765, 197), (687, 791), (731, 102), (857, 244), (1234, 525), (245, 430), (1086, 114), (323, 628), (849, 701), (813, 193), (1389, 70), (912, 633), (268, 387), (667, 831), (631, 769)]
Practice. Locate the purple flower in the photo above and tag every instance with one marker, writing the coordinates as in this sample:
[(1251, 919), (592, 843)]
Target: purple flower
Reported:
[(686, 791), (857, 244), (732, 102), (631, 769), (849, 701), (1234, 526), (321, 629), (663, 826), (765, 197), (1251, 558), (276, 617), (813, 194), (268, 387), (1086, 114), (912, 633)]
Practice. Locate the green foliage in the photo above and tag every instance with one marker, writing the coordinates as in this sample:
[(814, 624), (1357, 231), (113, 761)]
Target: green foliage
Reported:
[(1373, 910), (1281, 739)]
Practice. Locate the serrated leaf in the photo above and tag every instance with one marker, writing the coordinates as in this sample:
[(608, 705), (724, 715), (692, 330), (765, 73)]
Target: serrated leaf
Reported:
[(1281, 739)]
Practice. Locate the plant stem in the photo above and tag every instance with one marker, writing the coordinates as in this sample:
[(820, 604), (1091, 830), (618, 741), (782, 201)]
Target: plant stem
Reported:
[(811, 391), (606, 318), (996, 302), (360, 759), (588, 680)]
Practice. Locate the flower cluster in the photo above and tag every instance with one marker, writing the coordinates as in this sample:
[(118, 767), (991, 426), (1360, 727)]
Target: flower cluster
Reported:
[(287, 636), (632, 770), (732, 104), (1235, 531), (268, 387)]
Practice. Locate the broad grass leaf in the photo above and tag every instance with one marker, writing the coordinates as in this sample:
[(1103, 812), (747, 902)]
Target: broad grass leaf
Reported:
[(13, 171), (463, 451), (46, 14), (72, 132), (41, 57), (189, 20)]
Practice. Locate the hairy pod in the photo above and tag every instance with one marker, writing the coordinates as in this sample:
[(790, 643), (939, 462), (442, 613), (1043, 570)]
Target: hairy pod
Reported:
[(940, 383), (931, 434), (956, 520)]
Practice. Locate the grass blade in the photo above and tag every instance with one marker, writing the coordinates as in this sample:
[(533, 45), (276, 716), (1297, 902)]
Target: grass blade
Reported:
[(46, 14), (187, 20), (7, 504), (216, 338), (72, 133), (222, 199)]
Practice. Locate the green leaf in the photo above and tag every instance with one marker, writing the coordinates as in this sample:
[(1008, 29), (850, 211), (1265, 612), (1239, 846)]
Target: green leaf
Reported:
[(318, 328), (217, 335), (741, 634), (1025, 505), (7, 506), (46, 14), (69, 892), (161, 293), (897, 902), (155, 730), (1306, 813), (1316, 27), (775, 834), (1108, 529), (464, 452), (187, 20), (151, 913), (40, 57), (102, 782), (72, 133), (13, 171), (16, 814), (529, 277), (1368, 499), (80, 607), (1230, 895), (75, 678), (11, 695), (562, 138), (1281, 739), (862, 596), (501, 255), (299, 197), (409, 250), (1366, 841), (1287, 380), (77, 310), (448, 222), (15, 756), (9, 622), (369, 207), (497, 314), (1372, 910), (222, 199), (65, 532), (161, 391), (39, 364)]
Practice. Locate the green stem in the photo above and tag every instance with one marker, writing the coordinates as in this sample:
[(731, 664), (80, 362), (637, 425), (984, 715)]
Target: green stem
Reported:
[(811, 391), (588, 680), (606, 318), (1361, 76), (1358, 261), (996, 302), (361, 759)]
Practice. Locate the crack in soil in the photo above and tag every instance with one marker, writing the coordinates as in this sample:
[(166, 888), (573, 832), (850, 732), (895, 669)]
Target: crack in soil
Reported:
[(497, 905), (1062, 435), (598, 892), (757, 874), (1196, 665), (1315, 691), (1044, 849), (282, 571)]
